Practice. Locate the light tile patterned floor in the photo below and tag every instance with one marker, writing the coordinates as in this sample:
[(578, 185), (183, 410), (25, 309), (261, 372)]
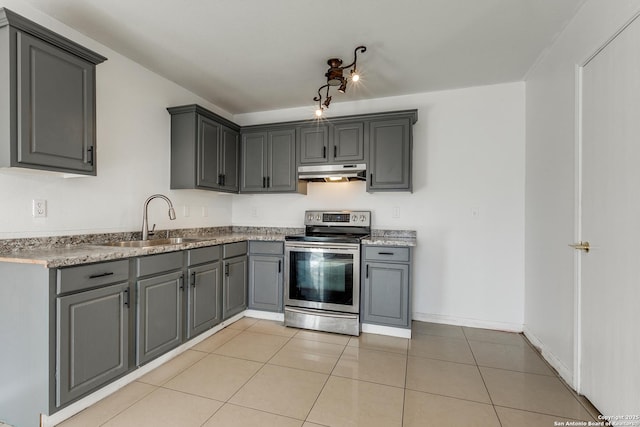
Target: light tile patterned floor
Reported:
[(259, 373)]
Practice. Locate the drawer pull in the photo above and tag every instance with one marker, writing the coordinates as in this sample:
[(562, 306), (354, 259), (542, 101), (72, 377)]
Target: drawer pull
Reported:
[(95, 276), (386, 253)]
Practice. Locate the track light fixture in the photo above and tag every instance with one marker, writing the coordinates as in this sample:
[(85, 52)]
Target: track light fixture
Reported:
[(335, 77)]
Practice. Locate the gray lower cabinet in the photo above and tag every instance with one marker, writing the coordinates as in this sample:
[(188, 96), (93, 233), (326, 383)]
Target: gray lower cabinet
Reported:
[(92, 327), (390, 154), (159, 289), (49, 82), (269, 161), (266, 261), (386, 288), (205, 150), (204, 309), (234, 267)]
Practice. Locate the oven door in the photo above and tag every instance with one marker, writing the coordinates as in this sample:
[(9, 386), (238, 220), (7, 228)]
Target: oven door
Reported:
[(323, 276)]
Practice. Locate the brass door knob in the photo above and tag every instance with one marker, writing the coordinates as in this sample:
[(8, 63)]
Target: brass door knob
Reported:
[(582, 246)]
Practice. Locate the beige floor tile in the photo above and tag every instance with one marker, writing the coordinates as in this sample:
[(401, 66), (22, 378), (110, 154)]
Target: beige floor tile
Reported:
[(173, 367), (273, 328), (216, 340), (347, 402), (322, 337), (497, 337), (237, 416), (308, 424), (438, 329), (442, 348), (283, 391), (305, 357), (166, 408), (216, 377), (425, 410), (380, 342), (317, 347), (252, 346), (243, 323), (515, 417), (110, 406), (532, 392), (371, 365), (510, 357), (446, 378)]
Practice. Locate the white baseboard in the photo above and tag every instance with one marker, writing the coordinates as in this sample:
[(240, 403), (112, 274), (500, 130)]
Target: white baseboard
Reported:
[(71, 410), (473, 323), (265, 315), (386, 330), (563, 370)]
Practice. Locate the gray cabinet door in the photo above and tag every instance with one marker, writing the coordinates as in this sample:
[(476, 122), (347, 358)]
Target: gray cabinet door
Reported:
[(56, 108), (282, 171), (235, 286), (230, 158), (348, 142), (314, 144), (265, 282), (254, 162), (386, 294), (92, 340), (208, 174), (159, 315), (390, 155), (205, 298)]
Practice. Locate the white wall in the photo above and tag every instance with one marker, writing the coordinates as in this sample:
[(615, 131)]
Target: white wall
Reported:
[(550, 178), (133, 149), (468, 153)]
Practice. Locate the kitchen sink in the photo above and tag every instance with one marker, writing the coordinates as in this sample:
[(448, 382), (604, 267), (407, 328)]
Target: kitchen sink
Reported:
[(153, 242)]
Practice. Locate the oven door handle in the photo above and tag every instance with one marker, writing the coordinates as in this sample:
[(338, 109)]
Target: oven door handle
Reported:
[(320, 313)]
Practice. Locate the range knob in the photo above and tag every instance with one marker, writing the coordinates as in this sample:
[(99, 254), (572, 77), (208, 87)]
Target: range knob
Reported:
[(317, 217), (354, 218), (362, 218), (310, 217)]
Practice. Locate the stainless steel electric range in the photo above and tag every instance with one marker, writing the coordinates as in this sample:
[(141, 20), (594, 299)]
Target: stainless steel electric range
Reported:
[(322, 272)]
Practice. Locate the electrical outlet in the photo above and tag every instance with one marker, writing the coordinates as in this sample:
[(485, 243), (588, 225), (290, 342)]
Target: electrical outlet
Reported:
[(254, 212), (185, 211), (475, 212), (396, 212), (39, 208), (205, 211)]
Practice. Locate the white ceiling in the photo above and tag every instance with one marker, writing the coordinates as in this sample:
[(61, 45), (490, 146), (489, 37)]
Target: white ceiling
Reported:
[(256, 55)]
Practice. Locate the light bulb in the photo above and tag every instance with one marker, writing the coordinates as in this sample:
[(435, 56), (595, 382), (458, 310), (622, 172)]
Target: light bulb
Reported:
[(319, 112), (355, 77)]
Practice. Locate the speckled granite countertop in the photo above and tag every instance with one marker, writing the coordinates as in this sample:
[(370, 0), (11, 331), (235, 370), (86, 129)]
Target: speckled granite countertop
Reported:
[(64, 251)]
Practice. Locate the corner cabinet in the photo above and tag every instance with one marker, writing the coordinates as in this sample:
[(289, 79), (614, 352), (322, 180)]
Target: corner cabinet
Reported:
[(390, 153), (386, 288), (49, 121), (205, 150), (269, 161)]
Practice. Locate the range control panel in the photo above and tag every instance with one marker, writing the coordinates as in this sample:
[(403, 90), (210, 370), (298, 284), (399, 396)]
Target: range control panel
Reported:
[(338, 218)]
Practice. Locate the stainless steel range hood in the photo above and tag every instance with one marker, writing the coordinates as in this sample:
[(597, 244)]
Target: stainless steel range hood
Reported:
[(333, 173)]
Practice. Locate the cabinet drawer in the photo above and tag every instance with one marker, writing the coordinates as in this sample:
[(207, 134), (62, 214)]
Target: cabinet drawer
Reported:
[(202, 255), (234, 249), (89, 276), (386, 253), (158, 263), (268, 248)]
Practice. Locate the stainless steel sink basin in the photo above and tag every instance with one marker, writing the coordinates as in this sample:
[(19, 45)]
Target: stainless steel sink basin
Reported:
[(154, 242)]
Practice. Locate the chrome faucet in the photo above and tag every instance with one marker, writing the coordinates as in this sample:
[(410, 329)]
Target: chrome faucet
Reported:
[(145, 215)]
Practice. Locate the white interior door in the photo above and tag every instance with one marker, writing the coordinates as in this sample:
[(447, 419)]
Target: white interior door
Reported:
[(609, 314)]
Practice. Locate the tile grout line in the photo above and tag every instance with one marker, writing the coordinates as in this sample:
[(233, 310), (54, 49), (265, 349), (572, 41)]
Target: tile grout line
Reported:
[(495, 411)]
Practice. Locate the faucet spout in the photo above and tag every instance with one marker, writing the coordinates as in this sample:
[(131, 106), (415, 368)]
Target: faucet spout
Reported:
[(145, 214)]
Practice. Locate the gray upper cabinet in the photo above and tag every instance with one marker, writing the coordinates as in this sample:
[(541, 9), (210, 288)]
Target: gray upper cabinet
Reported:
[(49, 122), (205, 150), (332, 143), (268, 161), (390, 154)]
